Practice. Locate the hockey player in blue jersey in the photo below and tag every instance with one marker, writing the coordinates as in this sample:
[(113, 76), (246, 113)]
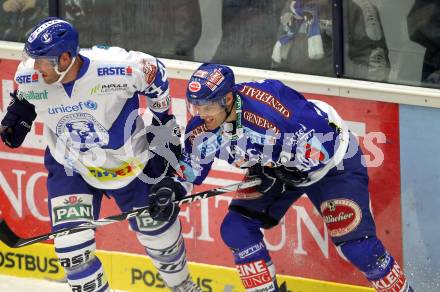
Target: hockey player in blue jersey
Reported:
[(97, 144), (296, 146)]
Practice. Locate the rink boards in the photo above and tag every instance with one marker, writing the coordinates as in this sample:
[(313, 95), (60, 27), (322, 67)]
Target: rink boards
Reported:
[(136, 273)]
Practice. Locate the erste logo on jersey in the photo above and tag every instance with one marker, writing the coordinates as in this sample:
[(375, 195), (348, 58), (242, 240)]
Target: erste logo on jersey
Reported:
[(115, 70), (27, 78)]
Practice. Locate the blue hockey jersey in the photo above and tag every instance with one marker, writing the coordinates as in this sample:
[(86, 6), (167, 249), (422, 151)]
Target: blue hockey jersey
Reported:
[(275, 126)]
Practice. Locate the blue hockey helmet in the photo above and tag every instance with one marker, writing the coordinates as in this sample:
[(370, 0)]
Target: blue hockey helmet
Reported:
[(50, 38), (210, 83)]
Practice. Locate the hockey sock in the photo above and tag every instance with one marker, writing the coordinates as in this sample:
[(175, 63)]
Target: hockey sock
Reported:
[(90, 278), (167, 251), (379, 267), (252, 260)]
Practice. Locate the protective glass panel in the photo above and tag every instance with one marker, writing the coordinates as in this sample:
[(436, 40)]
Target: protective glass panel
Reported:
[(393, 41), (304, 38), (18, 17), (168, 29)]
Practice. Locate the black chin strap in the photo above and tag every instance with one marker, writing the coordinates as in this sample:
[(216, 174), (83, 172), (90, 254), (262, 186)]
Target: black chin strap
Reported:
[(237, 128), (228, 113)]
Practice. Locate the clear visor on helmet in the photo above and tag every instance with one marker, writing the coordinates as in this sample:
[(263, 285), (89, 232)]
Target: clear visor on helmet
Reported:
[(43, 62), (205, 109)]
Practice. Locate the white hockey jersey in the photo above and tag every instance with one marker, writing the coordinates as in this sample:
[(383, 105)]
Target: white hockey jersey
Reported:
[(92, 125)]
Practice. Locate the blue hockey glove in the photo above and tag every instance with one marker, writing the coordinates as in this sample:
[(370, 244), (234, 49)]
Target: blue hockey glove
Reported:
[(161, 203), (17, 122), (269, 181)]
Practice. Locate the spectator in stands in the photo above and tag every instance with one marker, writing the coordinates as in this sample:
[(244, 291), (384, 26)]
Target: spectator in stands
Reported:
[(17, 17), (98, 21), (424, 29), (305, 40), (169, 29), (249, 30)]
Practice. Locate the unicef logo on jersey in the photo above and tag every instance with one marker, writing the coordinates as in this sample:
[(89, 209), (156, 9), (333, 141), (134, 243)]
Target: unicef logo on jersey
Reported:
[(82, 131), (91, 105)]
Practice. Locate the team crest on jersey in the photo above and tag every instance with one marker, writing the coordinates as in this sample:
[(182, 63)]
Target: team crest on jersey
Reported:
[(149, 70), (82, 131)]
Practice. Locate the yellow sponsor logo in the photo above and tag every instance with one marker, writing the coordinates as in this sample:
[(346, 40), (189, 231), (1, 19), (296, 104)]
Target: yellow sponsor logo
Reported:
[(131, 272), (132, 168), (34, 261)]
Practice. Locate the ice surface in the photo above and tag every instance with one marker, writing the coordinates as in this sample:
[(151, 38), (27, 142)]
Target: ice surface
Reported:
[(17, 284)]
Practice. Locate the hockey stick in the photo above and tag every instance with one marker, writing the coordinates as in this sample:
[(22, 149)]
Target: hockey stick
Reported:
[(11, 239)]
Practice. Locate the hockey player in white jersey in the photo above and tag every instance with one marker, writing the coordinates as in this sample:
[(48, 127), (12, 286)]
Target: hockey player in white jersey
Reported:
[(98, 144)]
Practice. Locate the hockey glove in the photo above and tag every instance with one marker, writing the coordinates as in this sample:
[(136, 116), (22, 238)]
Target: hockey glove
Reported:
[(17, 122), (161, 203), (290, 176), (269, 182)]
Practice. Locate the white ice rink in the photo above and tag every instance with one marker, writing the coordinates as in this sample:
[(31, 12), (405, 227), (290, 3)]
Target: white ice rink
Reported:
[(16, 284)]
